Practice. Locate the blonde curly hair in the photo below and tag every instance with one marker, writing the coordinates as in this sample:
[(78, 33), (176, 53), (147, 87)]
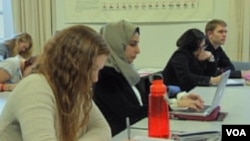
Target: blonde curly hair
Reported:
[(67, 63), (13, 44)]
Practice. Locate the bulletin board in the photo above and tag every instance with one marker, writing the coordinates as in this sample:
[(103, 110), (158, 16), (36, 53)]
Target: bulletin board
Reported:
[(100, 11)]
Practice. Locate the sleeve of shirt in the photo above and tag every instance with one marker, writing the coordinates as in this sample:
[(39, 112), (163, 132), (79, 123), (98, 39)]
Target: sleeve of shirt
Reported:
[(36, 114), (97, 128), (3, 52), (34, 108), (182, 69), (11, 65), (210, 68), (173, 101), (226, 64), (224, 61)]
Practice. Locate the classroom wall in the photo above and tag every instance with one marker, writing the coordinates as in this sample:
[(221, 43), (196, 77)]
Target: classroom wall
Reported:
[(157, 40)]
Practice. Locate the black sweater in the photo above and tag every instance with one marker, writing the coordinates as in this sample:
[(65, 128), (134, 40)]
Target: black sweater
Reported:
[(223, 62), (186, 71), (117, 100)]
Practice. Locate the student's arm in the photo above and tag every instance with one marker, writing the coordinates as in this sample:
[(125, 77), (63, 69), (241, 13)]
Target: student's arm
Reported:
[(184, 100), (3, 52), (210, 66), (8, 68), (7, 87), (33, 105), (181, 65), (173, 102), (5, 76), (97, 128), (224, 61), (114, 92)]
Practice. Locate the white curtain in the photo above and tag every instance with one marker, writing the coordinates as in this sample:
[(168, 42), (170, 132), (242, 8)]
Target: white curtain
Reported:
[(36, 18), (238, 41)]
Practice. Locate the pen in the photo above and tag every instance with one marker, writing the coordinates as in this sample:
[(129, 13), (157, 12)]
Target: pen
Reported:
[(128, 128)]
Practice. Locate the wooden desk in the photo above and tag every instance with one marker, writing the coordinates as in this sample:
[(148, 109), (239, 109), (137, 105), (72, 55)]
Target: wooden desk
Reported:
[(235, 101)]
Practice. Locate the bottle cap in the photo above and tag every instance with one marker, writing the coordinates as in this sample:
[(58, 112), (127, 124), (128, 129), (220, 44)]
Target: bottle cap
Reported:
[(158, 87), (155, 77)]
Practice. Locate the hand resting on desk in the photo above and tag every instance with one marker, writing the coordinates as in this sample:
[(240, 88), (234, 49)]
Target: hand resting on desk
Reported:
[(191, 100), (246, 74)]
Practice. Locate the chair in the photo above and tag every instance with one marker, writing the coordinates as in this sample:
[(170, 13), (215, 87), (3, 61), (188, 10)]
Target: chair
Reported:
[(241, 65)]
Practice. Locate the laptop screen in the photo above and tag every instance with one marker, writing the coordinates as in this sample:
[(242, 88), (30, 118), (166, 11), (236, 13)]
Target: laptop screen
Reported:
[(220, 89)]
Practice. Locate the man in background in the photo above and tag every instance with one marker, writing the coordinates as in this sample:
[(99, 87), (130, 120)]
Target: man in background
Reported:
[(216, 32)]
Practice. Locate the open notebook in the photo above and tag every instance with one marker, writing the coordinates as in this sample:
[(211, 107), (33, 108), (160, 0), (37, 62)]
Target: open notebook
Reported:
[(208, 109)]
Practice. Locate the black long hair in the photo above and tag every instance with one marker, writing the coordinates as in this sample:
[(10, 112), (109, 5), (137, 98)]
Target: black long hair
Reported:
[(191, 39)]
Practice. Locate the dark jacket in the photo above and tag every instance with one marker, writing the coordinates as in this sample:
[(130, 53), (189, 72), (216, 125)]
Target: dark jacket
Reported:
[(223, 62), (117, 100), (186, 71)]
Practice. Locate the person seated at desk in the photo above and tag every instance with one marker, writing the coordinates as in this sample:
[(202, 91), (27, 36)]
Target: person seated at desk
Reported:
[(55, 103), (117, 92), (19, 44), (216, 32), (13, 69), (190, 65)]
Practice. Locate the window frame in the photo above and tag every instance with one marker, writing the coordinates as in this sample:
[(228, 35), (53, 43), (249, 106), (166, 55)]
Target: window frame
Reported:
[(7, 23)]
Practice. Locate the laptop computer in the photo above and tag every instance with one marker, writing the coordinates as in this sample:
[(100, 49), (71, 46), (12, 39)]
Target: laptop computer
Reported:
[(236, 82), (208, 109)]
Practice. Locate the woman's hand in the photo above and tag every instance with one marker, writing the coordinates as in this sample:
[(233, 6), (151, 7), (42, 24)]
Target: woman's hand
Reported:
[(192, 100), (215, 80), (205, 55), (245, 74)]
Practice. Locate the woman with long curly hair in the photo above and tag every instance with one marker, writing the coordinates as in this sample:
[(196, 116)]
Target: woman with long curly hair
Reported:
[(20, 44), (55, 103)]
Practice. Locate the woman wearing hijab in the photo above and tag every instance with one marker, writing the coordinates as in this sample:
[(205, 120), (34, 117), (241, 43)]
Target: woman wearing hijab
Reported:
[(117, 92)]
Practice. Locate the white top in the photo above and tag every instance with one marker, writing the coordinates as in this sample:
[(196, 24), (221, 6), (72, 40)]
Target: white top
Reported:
[(30, 114), (137, 94), (13, 66)]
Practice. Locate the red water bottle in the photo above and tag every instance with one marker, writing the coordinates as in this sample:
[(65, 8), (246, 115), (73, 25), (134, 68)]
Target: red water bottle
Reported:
[(158, 114)]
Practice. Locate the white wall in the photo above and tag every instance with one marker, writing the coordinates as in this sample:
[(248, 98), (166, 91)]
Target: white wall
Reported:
[(157, 41)]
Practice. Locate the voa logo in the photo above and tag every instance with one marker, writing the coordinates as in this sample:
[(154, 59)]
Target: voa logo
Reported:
[(236, 132)]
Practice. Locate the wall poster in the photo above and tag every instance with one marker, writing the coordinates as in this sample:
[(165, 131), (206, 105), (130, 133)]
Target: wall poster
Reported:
[(101, 11)]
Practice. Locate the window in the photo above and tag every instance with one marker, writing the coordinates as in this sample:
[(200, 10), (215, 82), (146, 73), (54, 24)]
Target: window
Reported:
[(1, 20), (6, 22)]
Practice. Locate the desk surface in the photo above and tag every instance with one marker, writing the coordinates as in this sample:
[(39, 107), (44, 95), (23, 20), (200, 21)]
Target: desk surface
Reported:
[(148, 71), (3, 97), (235, 102)]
